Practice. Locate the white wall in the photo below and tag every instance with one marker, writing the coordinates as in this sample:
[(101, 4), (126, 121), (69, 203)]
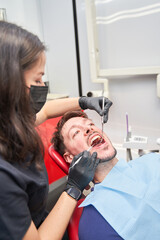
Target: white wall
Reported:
[(58, 28), (27, 14), (24, 13), (135, 95)]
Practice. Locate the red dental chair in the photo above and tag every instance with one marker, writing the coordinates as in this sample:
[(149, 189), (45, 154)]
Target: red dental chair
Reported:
[(58, 159), (72, 228)]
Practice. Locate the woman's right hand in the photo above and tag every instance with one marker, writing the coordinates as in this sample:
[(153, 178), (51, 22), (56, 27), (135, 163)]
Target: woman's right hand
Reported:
[(81, 172), (95, 103)]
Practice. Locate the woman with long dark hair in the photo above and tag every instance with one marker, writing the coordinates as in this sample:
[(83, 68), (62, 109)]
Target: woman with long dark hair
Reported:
[(23, 177)]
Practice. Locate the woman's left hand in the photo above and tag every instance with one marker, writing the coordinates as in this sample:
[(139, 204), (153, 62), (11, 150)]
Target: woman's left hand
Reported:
[(95, 103)]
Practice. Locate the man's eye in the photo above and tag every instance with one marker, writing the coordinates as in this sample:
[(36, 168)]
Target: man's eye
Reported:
[(91, 124), (75, 133)]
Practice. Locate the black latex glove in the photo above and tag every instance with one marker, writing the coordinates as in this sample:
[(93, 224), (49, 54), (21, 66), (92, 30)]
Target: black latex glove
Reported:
[(95, 103), (82, 172)]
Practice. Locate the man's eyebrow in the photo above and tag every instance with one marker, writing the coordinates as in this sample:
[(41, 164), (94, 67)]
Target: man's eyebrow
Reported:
[(77, 125), (74, 126)]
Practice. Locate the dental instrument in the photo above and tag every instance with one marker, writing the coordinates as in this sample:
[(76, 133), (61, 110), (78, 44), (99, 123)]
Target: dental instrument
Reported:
[(90, 147), (102, 118), (81, 156)]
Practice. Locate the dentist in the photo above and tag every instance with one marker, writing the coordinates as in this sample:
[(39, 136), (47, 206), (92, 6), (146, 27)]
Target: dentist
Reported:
[(24, 182)]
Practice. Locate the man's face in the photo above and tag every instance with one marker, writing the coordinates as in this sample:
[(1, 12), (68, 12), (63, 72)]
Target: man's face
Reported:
[(79, 134)]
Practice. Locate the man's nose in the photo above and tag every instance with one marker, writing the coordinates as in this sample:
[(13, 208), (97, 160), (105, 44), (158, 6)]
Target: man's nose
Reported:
[(88, 130)]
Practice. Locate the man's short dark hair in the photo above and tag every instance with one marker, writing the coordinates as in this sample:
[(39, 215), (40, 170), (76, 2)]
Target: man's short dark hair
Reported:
[(57, 139)]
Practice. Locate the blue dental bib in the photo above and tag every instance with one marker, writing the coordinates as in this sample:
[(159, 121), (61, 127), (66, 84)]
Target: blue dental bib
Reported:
[(129, 198)]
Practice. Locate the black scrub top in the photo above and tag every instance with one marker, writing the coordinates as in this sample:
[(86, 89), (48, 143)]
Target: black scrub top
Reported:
[(23, 196)]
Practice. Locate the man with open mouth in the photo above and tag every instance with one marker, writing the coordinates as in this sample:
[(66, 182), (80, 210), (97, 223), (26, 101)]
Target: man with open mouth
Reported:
[(125, 203)]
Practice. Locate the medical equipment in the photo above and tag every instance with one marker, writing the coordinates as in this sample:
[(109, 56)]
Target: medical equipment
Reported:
[(133, 141), (90, 147), (102, 118)]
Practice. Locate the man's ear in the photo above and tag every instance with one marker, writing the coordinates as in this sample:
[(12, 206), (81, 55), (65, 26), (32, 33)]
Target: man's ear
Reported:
[(68, 157)]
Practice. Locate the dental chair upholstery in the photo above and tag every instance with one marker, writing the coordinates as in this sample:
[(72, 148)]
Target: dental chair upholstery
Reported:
[(72, 228), (74, 222), (58, 159)]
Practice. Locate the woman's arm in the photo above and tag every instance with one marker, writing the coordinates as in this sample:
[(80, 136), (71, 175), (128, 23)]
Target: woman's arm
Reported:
[(56, 108), (80, 174), (55, 224)]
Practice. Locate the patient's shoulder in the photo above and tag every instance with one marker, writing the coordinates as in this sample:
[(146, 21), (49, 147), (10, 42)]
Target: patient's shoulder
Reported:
[(93, 226)]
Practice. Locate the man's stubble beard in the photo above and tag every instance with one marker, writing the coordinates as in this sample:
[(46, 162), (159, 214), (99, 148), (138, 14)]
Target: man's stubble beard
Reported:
[(108, 158)]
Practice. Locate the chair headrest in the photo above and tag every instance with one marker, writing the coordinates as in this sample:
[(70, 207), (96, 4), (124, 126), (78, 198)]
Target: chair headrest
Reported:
[(58, 159)]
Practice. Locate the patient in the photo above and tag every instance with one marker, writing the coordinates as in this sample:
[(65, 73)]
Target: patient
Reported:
[(125, 203)]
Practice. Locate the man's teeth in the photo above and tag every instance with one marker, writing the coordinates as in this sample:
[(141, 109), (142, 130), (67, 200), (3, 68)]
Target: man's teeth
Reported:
[(95, 140)]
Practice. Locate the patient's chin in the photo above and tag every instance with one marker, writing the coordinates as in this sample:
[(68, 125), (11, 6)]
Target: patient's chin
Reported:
[(109, 157)]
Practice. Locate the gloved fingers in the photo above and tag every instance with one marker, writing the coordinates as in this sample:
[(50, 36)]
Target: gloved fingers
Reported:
[(106, 110), (95, 163), (85, 161), (82, 172), (93, 166), (93, 159), (105, 119), (81, 159), (94, 155), (107, 105), (99, 106), (94, 103)]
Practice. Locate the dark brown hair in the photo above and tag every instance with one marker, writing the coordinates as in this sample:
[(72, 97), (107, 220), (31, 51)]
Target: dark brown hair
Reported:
[(57, 139), (19, 50)]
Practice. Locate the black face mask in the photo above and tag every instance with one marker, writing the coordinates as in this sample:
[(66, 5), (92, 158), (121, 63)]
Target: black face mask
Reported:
[(38, 96)]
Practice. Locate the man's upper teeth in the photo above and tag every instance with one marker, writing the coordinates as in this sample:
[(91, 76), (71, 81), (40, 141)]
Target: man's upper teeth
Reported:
[(94, 138)]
